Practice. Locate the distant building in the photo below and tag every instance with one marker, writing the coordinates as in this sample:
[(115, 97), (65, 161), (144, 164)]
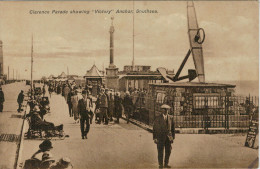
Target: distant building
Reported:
[(137, 68), (62, 76), (94, 79)]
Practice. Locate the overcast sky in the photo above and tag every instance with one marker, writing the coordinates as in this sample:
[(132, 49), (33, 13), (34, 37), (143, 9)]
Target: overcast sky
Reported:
[(80, 40)]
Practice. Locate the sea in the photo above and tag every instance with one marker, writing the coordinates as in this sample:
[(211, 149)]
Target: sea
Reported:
[(244, 87)]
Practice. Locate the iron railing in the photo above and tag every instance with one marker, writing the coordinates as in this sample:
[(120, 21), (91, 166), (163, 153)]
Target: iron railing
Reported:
[(199, 111)]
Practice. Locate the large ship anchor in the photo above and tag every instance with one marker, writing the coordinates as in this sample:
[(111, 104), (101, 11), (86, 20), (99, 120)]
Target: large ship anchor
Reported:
[(196, 37)]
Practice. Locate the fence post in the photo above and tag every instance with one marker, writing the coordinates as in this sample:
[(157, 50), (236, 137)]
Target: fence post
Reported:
[(225, 112), (206, 120), (228, 112)]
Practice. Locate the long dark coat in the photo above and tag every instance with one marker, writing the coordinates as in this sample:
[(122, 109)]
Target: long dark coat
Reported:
[(163, 130)]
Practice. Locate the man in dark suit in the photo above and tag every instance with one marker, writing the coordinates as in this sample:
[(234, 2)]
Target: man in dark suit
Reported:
[(20, 100), (128, 105), (102, 105), (85, 112), (163, 135), (2, 99)]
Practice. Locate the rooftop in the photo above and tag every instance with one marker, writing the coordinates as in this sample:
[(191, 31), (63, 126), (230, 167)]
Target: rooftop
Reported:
[(94, 73)]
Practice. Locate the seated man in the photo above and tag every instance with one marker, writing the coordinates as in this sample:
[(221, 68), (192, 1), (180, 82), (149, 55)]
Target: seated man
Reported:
[(44, 106), (40, 157), (47, 161), (38, 123)]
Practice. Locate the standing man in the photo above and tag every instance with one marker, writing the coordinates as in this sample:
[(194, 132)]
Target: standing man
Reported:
[(118, 105), (50, 89), (43, 90), (2, 99), (66, 91), (103, 106), (20, 100), (84, 108), (111, 105), (163, 135), (128, 105), (70, 103), (108, 105)]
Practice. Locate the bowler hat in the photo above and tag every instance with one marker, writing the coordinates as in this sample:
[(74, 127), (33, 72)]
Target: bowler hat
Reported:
[(46, 145)]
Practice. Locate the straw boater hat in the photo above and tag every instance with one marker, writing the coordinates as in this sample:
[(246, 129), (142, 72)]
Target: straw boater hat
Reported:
[(65, 163), (47, 156), (165, 106), (36, 108)]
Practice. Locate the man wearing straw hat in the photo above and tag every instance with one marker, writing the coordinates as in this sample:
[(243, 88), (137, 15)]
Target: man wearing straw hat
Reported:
[(64, 163), (163, 135)]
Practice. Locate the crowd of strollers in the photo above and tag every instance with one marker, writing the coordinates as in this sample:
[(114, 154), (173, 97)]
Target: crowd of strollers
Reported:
[(109, 105)]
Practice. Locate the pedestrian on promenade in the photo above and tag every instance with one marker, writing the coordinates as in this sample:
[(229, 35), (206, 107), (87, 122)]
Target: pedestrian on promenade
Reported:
[(108, 100), (118, 106), (103, 106), (84, 108), (20, 100), (43, 90), (111, 105), (163, 135), (97, 110), (70, 103), (50, 89), (66, 91), (59, 88), (2, 99), (74, 102), (128, 105)]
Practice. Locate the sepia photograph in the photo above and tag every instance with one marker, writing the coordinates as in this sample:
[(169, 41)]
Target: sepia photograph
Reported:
[(129, 84)]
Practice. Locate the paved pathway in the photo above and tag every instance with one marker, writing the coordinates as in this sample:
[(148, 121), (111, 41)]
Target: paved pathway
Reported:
[(128, 146), (10, 123)]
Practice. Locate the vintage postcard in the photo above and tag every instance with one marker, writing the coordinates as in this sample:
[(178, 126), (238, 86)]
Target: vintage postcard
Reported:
[(129, 84)]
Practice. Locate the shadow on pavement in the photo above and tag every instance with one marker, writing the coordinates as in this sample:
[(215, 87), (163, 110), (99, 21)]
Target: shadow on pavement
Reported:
[(16, 116)]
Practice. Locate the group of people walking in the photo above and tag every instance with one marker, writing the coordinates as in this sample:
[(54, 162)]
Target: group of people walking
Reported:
[(79, 103)]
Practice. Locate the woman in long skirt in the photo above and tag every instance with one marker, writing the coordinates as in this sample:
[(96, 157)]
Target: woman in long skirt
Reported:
[(74, 101)]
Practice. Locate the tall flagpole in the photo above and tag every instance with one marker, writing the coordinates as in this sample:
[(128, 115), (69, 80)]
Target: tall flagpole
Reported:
[(133, 61), (32, 68)]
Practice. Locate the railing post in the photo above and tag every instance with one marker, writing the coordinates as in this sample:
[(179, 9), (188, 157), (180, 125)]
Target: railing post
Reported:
[(227, 112)]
